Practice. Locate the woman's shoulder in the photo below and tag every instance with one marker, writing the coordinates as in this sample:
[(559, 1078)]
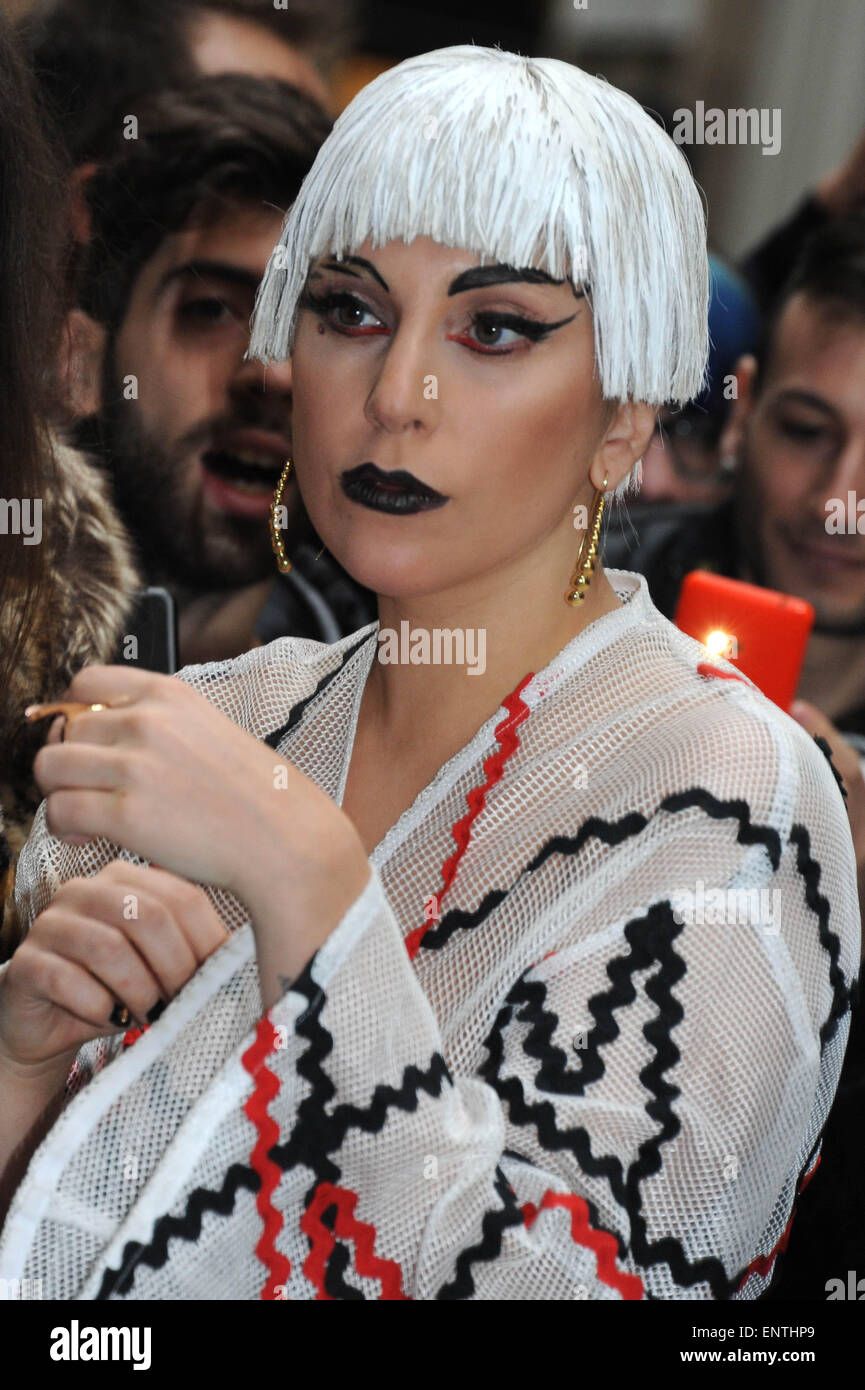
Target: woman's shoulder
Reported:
[(729, 725)]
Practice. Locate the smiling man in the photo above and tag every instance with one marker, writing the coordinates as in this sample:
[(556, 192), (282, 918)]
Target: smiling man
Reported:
[(796, 442), (193, 435)]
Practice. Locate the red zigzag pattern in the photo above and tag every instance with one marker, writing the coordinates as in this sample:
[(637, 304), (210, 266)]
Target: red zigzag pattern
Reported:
[(266, 1087), (506, 736), (630, 1286), (347, 1227)]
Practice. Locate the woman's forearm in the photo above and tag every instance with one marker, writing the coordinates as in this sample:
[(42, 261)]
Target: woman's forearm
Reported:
[(296, 896), (31, 1098)]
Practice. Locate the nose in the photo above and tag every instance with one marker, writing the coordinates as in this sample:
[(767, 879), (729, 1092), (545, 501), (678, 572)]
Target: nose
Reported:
[(848, 474), (405, 390)]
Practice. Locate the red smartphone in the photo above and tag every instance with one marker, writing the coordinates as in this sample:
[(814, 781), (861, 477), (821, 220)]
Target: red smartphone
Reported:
[(762, 632)]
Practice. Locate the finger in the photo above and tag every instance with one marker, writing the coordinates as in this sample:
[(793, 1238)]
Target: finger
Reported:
[(109, 684), (129, 906), (110, 725), (816, 723), (108, 955), (57, 729), (46, 977), (193, 911), (198, 919), (119, 685), (812, 719), (87, 813), (70, 765), (132, 725), (157, 937)]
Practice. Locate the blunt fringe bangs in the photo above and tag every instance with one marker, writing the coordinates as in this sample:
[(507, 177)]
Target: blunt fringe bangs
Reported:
[(526, 161)]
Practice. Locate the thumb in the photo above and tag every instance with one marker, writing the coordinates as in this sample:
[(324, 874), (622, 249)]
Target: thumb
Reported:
[(810, 717)]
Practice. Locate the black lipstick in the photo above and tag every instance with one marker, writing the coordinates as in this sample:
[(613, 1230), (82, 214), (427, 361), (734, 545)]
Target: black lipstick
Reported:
[(398, 492)]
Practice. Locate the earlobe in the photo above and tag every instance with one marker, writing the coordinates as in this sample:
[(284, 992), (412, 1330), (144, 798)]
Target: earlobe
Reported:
[(626, 441), (730, 439), (744, 374), (79, 362)]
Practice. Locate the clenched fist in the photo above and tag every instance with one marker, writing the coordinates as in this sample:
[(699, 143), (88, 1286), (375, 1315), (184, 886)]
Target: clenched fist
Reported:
[(127, 937)]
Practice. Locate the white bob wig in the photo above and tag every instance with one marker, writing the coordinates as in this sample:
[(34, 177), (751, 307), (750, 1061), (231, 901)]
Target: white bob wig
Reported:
[(524, 161)]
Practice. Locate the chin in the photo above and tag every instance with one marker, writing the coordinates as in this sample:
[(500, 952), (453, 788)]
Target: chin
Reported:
[(404, 573)]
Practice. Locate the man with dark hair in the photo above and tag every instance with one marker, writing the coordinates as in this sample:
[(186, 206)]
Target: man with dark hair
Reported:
[(96, 59), (797, 439), (682, 462), (193, 435)]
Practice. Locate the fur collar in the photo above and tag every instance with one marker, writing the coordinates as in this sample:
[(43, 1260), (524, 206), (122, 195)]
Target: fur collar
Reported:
[(90, 585)]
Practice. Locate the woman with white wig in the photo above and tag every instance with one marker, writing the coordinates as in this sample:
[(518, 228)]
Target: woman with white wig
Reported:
[(502, 950)]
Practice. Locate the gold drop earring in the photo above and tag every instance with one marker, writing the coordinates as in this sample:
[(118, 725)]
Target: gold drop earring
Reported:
[(282, 560), (587, 553)]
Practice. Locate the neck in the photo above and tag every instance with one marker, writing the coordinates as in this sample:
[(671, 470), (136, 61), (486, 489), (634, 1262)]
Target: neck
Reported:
[(505, 630), (220, 625)]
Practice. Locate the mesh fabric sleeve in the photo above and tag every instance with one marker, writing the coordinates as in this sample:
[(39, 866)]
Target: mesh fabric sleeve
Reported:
[(560, 1169)]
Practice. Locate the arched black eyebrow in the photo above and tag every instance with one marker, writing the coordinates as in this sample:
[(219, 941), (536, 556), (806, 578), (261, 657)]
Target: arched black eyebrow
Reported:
[(476, 277), (355, 260)]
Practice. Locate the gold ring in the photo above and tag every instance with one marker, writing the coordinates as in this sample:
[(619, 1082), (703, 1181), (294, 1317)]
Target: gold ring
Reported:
[(70, 709)]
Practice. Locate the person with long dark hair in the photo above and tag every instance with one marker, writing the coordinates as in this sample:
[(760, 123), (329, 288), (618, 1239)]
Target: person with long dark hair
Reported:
[(66, 578)]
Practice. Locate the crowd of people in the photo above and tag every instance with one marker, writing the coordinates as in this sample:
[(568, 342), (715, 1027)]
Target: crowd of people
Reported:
[(148, 156)]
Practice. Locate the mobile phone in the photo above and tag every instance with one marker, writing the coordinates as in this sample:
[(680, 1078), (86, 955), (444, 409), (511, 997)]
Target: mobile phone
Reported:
[(149, 639), (763, 632)]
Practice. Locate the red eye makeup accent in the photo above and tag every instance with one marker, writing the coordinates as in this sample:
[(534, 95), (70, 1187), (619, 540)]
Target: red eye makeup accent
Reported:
[(533, 329)]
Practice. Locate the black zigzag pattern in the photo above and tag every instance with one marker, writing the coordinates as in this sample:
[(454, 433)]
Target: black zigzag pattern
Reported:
[(339, 1262), (186, 1227), (650, 939), (525, 1000), (594, 1215), (274, 739), (319, 1134), (489, 1247), (611, 832), (315, 1137), (827, 754), (749, 833), (459, 920), (312, 1111), (658, 1033), (810, 871)]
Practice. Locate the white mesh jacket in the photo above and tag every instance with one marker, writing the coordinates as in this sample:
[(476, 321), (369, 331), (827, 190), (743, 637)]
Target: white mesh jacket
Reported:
[(577, 1038)]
